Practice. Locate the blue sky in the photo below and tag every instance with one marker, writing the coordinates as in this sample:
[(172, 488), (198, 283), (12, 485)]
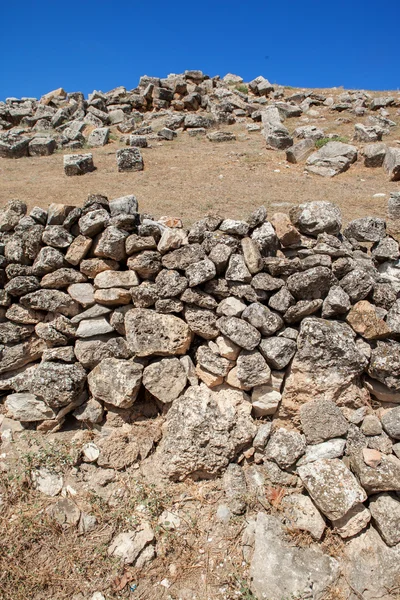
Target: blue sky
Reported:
[(101, 44)]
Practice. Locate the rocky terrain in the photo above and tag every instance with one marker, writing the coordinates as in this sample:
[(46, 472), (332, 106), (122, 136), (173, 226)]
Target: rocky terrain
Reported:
[(208, 408)]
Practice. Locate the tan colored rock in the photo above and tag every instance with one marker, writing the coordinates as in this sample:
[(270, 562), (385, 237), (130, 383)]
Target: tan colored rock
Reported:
[(353, 521), (208, 378), (381, 391), (252, 255), (82, 293), (59, 94), (93, 266), (372, 457), (78, 249), (113, 296), (286, 232), (232, 379), (116, 279), (364, 320), (227, 348)]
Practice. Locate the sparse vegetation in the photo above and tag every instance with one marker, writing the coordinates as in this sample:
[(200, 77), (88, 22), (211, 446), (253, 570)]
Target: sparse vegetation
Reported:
[(337, 138), (241, 87)]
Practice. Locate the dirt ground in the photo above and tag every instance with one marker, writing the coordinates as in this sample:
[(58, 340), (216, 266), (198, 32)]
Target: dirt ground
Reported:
[(189, 177)]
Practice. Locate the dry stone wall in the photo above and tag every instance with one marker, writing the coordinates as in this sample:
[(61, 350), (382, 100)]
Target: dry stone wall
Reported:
[(273, 341)]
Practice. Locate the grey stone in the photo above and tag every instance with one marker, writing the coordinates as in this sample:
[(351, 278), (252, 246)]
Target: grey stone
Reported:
[(385, 477), (165, 379), (183, 257), (311, 284), (301, 514), (366, 229), (332, 486), (204, 431), (241, 333), (331, 449), (231, 307), (285, 447), (391, 422), (278, 351), (385, 364), (149, 333), (58, 384), (93, 222), (27, 407), (237, 269), (374, 155), (313, 218), (252, 369), (129, 546), (129, 159), (212, 362), (312, 573), (56, 236), (51, 301), (322, 420), (263, 319), (116, 381), (337, 302), (326, 365), (99, 136), (78, 164), (385, 511), (391, 163), (357, 284), (302, 309)]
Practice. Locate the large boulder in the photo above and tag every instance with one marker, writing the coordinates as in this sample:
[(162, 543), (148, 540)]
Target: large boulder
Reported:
[(204, 431), (331, 159), (326, 366)]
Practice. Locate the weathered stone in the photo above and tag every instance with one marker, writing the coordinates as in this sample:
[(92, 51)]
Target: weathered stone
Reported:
[(99, 136), (130, 546), (165, 379), (237, 269), (371, 425), (27, 408), (301, 514), (384, 477), (385, 511), (263, 319), (311, 572), (252, 369), (149, 333), (311, 284), (58, 384), (278, 351), (366, 229), (266, 239), (231, 307), (332, 486), (48, 260), (92, 327), (285, 447), (241, 333), (365, 321), (19, 286), (111, 244), (204, 431), (147, 263), (391, 422), (385, 364), (93, 222), (82, 293), (313, 218), (302, 309), (202, 322), (391, 163), (129, 159), (56, 236), (183, 257), (337, 302), (213, 362), (116, 381), (354, 521), (90, 352), (136, 243), (374, 155), (171, 239), (199, 272), (112, 296), (325, 366), (322, 420), (330, 449), (265, 400), (252, 255), (78, 164), (287, 234), (51, 301)]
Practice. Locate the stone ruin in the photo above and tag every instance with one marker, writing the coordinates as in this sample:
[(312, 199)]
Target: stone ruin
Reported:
[(268, 342), (201, 105)]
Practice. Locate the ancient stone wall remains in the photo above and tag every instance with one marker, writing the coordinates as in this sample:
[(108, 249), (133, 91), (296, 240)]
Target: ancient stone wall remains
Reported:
[(271, 340)]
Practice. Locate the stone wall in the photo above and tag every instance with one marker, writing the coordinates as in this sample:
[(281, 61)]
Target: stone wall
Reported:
[(272, 341)]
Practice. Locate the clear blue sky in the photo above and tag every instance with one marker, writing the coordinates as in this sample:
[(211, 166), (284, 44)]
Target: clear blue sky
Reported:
[(100, 44)]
